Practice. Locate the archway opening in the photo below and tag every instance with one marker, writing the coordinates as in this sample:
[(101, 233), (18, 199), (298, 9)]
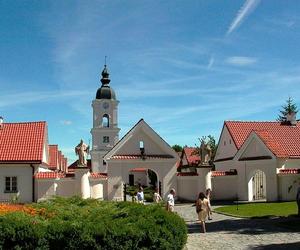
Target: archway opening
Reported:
[(145, 178), (257, 186), (105, 121)]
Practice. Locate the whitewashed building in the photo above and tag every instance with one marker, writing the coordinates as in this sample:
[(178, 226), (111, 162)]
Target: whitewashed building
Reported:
[(263, 157)]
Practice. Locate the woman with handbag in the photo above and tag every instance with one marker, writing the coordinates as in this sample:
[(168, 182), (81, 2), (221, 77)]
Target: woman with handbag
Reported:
[(202, 210)]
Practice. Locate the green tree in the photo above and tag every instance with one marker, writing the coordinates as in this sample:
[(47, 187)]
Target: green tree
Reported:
[(177, 148), (288, 108)]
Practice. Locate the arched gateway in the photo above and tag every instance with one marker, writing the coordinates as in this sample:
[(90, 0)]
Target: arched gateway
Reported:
[(155, 154), (140, 148)]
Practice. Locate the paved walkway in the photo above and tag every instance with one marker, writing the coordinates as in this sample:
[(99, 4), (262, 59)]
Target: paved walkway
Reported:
[(225, 232)]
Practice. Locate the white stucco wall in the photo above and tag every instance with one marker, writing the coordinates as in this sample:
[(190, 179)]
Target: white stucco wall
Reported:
[(287, 186), (249, 169), (226, 165), (225, 187), (139, 177), (226, 147), (44, 189), (97, 189), (66, 187), (132, 146), (255, 148), (23, 172), (118, 172), (189, 187)]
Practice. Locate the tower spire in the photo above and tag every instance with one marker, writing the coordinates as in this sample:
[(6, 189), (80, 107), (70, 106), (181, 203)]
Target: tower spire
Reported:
[(105, 75)]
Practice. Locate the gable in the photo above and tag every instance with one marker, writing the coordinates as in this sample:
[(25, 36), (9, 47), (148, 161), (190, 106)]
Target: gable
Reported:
[(184, 160), (226, 146), (154, 145), (132, 146), (256, 149)]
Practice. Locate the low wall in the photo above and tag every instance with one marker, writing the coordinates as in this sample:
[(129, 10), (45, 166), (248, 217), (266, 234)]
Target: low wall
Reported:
[(67, 187), (224, 187), (287, 187), (98, 188), (189, 187)]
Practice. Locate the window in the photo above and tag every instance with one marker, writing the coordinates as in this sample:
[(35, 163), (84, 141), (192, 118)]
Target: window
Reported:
[(105, 139), (105, 121), (229, 141), (142, 149), (11, 184), (224, 143)]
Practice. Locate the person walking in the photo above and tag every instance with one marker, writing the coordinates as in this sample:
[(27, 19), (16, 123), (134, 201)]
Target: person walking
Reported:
[(208, 197), (140, 195), (202, 210), (171, 200), (156, 196)]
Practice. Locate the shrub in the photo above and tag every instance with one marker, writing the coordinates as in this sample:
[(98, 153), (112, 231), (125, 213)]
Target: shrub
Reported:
[(89, 224)]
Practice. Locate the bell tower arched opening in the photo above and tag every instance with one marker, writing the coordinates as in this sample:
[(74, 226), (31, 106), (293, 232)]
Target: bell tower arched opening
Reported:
[(105, 121)]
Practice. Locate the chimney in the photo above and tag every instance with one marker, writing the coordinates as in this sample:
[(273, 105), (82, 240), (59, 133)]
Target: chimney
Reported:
[(291, 118), (1, 122)]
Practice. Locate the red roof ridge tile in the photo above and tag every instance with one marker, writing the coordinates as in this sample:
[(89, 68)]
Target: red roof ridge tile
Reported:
[(9, 123)]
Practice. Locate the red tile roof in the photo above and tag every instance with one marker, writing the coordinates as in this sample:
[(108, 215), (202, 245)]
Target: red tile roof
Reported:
[(289, 171), (49, 175), (73, 165), (187, 174), (138, 170), (282, 140), (53, 156), (191, 155), (223, 173), (130, 157), (22, 142), (98, 175), (272, 144)]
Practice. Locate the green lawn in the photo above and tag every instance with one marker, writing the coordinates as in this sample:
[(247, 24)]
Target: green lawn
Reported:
[(260, 209)]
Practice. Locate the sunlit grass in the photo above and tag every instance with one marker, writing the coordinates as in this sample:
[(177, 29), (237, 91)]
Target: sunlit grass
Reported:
[(260, 209)]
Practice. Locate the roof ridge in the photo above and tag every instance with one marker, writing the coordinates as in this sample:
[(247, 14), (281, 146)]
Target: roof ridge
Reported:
[(24, 122), (253, 121)]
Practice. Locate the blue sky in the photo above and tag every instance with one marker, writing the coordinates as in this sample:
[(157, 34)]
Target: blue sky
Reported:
[(183, 66)]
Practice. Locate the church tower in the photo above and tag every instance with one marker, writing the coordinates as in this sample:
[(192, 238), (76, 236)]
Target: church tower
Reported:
[(105, 131)]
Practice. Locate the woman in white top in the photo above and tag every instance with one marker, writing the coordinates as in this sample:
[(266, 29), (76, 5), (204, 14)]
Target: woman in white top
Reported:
[(156, 196), (171, 201), (140, 195)]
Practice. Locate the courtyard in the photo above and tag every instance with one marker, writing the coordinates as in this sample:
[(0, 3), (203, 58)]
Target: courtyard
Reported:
[(226, 232)]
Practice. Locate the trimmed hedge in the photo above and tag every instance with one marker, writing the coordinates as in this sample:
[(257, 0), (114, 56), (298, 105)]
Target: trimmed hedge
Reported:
[(74, 223)]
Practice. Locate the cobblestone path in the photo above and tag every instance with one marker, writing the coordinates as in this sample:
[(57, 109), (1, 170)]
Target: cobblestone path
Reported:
[(225, 232)]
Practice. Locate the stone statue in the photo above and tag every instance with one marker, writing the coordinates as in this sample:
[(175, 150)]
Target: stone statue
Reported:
[(82, 151), (205, 152)]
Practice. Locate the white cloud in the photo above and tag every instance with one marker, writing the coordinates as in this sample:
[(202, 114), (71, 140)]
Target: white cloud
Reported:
[(241, 60), (15, 99), (66, 122), (244, 11), (211, 62)]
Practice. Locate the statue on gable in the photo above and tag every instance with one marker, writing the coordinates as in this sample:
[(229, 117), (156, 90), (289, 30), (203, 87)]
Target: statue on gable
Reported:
[(205, 152), (82, 150)]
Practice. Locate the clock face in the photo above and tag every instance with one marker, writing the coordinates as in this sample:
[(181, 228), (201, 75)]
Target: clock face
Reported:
[(105, 105)]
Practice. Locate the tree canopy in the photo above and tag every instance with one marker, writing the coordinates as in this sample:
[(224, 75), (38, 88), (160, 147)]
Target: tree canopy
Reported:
[(288, 108), (177, 148)]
